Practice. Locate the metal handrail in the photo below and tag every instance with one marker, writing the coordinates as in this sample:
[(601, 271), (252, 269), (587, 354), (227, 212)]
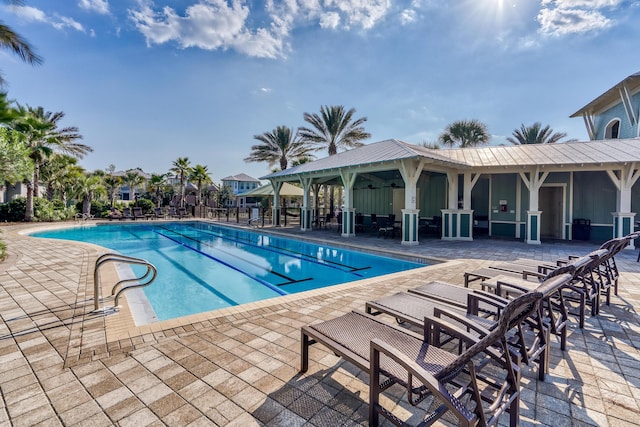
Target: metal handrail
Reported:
[(113, 257)]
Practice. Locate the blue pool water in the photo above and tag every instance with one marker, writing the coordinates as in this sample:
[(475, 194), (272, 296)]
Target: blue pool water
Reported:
[(203, 266)]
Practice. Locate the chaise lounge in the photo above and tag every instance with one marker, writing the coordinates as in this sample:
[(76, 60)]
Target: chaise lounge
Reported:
[(403, 357)]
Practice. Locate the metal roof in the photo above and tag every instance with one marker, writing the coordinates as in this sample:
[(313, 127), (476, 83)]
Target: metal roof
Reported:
[(610, 96), (565, 154), (241, 177), (385, 151), (601, 152)]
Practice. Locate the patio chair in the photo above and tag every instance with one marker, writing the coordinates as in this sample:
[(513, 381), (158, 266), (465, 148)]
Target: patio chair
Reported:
[(403, 357), (173, 212), (359, 222), (413, 309), (126, 213), (137, 213), (386, 226), (158, 213), (183, 213)]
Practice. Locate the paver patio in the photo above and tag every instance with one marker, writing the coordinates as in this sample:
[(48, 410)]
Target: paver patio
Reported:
[(60, 364)]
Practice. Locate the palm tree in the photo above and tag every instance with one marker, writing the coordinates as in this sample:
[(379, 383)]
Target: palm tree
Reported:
[(86, 188), (157, 184), (55, 172), (465, 133), (334, 129), (200, 175), (40, 132), (133, 179), (279, 146), (182, 169), (535, 134), (12, 41), (112, 183)]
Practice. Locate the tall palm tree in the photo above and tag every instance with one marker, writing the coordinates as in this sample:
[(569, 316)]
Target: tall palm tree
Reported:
[(535, 134), (281, 146), (12, 41), (334, 129), (55, 171), (112, 183), (86, 188), (200, 175), (181, 168), (40, 132), (465, 133), (133, 179), (157, 184)]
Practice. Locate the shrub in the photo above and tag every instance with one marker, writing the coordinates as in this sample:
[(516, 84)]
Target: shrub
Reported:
[(43, 210), (3, 249), (147, 205)]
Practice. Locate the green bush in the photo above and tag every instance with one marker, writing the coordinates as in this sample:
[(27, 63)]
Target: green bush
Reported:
[(43, 210), (147, 205), (3, 249)]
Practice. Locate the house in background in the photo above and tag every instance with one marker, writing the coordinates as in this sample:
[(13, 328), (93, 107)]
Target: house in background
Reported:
[(614, 114), (239, 184)]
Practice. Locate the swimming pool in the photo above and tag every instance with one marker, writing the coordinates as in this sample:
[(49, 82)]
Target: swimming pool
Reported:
[(203, 266)]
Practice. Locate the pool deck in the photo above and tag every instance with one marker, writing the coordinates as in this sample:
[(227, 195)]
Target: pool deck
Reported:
[(61, 364)]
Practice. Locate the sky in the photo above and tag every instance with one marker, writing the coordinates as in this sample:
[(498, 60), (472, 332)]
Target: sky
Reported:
[(147, 82)]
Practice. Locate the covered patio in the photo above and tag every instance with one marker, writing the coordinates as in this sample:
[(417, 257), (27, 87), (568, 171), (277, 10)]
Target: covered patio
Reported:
[(527, 192)]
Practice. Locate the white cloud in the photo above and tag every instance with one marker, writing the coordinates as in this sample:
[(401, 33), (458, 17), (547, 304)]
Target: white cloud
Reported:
[(590, 4), (32, 14), (330, 20), (99, 6), (211, 25), (408, 16), (363, 13), (558, 22)]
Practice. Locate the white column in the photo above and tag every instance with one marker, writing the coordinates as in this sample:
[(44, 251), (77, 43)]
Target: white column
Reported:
[(623, 218), (307, 211), (348, 213), (410, 170), (533, 182), (277, 186)]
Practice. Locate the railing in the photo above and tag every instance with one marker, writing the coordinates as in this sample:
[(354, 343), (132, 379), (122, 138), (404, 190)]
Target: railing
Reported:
[(140, 282)]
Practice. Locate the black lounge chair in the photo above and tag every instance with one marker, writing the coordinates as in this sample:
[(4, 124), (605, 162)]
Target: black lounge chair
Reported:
[(126, 213), (158, 213), (403, 357), (137, 213)]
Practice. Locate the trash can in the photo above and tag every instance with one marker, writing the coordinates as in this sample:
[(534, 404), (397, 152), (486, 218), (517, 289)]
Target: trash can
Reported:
[(581, 229)]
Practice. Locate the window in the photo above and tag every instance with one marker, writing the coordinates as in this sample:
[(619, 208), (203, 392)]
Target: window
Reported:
[(613, 129)]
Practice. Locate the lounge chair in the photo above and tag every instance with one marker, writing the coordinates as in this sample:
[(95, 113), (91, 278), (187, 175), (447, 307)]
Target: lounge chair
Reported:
[(137, 213), (158, 213), (173, 213), (115, 214), (405, 358), (126, 213), (413, 309), (182, 213)]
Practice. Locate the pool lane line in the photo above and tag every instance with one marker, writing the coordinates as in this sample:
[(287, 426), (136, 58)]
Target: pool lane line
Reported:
[(262, 282), (193, 277), (288, 279), (291, 253)]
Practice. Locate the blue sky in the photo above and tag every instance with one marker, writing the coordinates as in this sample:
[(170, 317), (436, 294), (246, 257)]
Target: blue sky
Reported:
[(147, 82)]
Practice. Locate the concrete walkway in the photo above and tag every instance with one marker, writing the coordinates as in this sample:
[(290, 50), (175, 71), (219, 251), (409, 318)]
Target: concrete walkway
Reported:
[(60, 364)]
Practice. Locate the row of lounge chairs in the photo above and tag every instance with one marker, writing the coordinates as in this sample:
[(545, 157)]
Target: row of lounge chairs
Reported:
[(136, 213), (467, 359)]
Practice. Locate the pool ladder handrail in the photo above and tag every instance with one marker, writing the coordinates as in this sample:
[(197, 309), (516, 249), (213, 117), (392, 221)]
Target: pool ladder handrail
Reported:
[(114, 257)]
